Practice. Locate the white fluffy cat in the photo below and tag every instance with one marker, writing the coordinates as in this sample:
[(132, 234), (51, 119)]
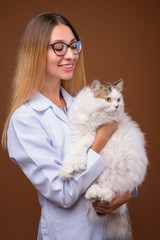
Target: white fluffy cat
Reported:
[(124, 152)]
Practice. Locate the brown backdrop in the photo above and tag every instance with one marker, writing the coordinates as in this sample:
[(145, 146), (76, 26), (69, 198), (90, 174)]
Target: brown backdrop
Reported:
[(120, 39)]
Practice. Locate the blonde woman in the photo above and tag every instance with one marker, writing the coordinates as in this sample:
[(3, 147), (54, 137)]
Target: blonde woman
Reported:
[(49, 73)]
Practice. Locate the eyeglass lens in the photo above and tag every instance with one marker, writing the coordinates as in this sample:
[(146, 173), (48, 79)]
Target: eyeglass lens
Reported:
[(61, 48)]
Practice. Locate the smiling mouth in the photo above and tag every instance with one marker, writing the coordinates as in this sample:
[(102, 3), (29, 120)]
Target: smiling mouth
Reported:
[(67, 66)]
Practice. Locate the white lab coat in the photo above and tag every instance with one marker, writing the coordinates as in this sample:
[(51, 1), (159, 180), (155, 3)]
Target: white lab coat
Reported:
[(38, 139)]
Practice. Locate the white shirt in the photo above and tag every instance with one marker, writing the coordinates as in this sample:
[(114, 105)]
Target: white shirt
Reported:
[(38, 139)]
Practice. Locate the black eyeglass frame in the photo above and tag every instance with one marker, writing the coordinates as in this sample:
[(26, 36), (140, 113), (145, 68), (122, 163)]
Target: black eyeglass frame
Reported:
[(67, 46)]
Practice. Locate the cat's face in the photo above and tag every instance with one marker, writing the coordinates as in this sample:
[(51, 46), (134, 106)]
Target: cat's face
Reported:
[(108, 96), (113, 100)]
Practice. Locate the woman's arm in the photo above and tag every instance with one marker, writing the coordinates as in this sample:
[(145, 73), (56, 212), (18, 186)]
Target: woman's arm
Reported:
[(30, 147), (104, 132)]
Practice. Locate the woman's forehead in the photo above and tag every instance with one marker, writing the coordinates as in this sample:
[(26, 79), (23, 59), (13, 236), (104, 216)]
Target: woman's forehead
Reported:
[(62, 32)]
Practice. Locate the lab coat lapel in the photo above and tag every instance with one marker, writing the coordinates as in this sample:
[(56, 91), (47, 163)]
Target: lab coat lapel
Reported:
[(60, 114)]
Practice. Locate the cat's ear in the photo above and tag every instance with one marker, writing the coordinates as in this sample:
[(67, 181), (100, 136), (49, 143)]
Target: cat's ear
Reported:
[(119, 85), (96, 87)]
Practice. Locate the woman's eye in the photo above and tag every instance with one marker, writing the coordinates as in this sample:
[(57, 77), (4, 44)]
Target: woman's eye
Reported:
[(73, 45), (108, 99), (58, 47)]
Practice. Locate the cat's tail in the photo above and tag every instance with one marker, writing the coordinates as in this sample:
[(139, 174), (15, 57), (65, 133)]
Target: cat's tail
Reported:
[(118, 225)]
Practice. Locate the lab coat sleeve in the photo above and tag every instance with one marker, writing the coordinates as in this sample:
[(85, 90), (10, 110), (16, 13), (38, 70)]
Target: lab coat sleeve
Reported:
[(30, 147)]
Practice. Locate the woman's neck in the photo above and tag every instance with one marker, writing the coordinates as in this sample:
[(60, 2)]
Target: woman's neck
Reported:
[(53, 93)]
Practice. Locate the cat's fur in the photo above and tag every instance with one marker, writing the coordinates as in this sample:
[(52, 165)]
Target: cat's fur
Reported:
[(124, 152)]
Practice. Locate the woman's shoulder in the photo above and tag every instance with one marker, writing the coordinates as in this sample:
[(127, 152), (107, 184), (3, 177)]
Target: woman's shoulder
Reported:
[(38, 103), (20, 111)]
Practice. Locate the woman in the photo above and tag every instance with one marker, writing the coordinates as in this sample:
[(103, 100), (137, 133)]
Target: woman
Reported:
[(37, 131)]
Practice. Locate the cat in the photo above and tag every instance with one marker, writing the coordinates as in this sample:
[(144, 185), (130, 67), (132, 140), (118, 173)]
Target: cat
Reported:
[(124, 152)]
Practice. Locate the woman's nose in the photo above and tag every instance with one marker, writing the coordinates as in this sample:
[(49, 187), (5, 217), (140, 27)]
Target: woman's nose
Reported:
[(69, 54)]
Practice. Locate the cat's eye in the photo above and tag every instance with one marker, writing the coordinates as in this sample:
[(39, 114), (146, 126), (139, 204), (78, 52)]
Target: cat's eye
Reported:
[(108, 99), (118, 100)]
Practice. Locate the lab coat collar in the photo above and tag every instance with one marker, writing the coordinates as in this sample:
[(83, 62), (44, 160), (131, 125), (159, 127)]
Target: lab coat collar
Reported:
[(40, 103)]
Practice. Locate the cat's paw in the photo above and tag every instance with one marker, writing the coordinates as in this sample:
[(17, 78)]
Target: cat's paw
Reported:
[(106, 195), (65, 172), (79, 163), (93, 192)]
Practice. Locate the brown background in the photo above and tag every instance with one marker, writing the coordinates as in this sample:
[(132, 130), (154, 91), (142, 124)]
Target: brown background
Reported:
[(120, 39)]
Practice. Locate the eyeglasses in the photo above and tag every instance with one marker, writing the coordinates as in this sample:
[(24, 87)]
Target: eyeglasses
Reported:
[(61, 48)]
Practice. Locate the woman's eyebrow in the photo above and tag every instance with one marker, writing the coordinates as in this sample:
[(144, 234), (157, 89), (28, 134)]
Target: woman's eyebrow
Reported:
[(62, 41), (73, 40)]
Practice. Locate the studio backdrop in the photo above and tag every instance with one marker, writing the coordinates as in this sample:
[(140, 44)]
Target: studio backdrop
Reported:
[(120, 40)]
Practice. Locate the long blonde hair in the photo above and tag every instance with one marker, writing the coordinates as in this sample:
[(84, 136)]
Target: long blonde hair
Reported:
[(31, 61)]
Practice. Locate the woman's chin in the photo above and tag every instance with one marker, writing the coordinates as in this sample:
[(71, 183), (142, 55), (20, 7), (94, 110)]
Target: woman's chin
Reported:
[(68, 77)]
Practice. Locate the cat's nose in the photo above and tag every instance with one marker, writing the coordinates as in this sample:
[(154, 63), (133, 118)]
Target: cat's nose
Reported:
[(116, 106)]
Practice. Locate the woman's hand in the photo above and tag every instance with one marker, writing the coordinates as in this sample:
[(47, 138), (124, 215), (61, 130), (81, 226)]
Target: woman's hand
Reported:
[(108, 207), (104, 132)]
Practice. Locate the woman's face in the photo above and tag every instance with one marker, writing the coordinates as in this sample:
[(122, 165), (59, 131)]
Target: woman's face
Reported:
[(60, 67)]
